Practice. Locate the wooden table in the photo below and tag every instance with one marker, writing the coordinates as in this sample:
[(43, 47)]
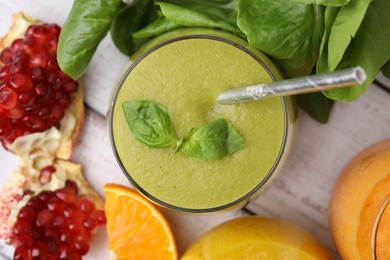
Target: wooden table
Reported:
[(300, 193)]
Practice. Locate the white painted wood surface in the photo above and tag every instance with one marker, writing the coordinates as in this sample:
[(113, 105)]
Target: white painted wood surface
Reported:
[(299, 194)]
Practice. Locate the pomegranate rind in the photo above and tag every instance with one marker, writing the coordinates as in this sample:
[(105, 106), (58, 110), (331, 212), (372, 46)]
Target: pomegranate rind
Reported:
[(19, 24), (26, 178)]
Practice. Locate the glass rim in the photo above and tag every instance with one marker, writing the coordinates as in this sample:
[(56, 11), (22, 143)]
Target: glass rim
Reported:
[(375, 227), (226, 206)]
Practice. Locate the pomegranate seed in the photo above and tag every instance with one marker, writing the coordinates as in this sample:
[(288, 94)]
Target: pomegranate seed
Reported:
[(71, 185), (90, 223), (35, 203), (52, 234), (44, 219), (37, 74), (100, 217), (16, 113), (8, 98), (28, 47), (67, 195), (21, 82), (26, 213), (27, 98), (22, 254), (54, 29), (6, 56), (67, 252), (29, 120), (41, 89), (74, 226), (4, 71), (39, 250), (86, 205), (36, 235), (81, 247), (17, 67), (52, 246), (23, 241), (39, 125), (45, 195), (45, 174), (52, 64), (55, 204), (70, 86), (30, 31), (58, 222), (83, 236), (38, 59), (5, 128), (21, 227), (17, 45)]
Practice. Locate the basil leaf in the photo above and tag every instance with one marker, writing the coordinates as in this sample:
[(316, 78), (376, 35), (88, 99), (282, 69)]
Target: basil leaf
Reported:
[(220, 14), (345, 27), (369, 49), (87, 24), (213, 141), (150, 123), (128, 20), (288, 32), (316, 105), (324, 2)]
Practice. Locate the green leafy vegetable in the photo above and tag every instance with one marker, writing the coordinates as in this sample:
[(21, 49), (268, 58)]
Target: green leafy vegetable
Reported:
[(316, 105), (129, 19), (87, 24), (369, 49), (213, 141), (329, 17), (289, 32), (324, 2), (159, 26), (386, 69), (344, 28), (150, 123), (220, 14)]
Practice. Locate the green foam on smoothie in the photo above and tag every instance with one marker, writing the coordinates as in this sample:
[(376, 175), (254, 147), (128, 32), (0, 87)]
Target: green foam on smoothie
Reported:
[(186, 76)]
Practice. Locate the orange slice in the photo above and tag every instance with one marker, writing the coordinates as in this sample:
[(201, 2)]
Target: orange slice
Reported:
[(136, 229)]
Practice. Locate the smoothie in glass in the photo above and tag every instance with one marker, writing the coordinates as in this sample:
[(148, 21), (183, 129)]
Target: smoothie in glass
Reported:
[(185, 71)]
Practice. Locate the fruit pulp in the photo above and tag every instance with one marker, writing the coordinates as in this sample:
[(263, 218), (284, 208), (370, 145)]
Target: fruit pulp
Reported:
[(186, 75)]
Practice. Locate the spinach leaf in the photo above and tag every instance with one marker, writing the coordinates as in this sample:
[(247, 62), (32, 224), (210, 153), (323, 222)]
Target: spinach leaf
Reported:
[(288, 32), (157, 27), (324, 2), (316, 105), (220, 14), (345, 26), (87, 24), (213, 141), (128, 20), (386, 69), (150, 123), (370, 48), (329, 17)]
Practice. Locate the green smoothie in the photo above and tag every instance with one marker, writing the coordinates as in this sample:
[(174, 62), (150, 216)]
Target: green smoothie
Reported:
[(186, 75)]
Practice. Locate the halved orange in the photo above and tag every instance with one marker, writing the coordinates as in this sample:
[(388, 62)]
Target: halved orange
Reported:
[(136, 228)]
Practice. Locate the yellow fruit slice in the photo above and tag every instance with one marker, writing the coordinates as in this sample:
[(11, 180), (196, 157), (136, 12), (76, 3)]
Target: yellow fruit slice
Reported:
[(135, 227)]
